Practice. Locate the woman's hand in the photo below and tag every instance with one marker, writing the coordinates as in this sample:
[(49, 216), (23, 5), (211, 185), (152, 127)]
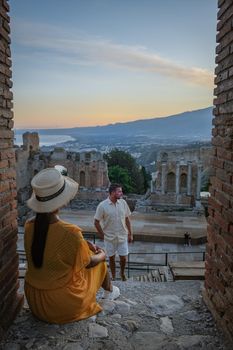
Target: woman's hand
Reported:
[(92, 247), (98, 257), (101, 252)]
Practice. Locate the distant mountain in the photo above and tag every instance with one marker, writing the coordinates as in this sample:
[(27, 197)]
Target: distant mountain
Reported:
[(189, 125)]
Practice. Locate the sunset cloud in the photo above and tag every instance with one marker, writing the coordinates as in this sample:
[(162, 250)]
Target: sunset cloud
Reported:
[(83, 49)]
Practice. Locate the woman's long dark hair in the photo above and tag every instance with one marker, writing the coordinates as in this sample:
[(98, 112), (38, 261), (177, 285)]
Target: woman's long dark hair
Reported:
[(41, 227)]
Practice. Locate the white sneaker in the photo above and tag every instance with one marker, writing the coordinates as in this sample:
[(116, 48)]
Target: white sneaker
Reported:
[(92, 318), (111, 295)]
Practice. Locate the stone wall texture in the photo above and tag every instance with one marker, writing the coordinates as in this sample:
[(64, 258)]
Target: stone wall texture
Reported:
[(219, 257), (10, 301)]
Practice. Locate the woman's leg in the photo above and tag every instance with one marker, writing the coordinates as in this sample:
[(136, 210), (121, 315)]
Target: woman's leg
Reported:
[(107, 284), (110, 292)]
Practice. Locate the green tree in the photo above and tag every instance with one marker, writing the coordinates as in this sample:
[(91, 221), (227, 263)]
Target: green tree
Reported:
[(121, 158), (125, 161), (119, 175)]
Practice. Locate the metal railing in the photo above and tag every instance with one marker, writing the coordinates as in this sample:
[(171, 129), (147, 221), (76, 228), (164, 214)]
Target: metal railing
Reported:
[(146, 266), (89, 235), (134, 265)]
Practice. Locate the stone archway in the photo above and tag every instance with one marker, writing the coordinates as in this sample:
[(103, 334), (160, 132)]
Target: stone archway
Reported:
[(183, 183), (171, 182), (82, 177)]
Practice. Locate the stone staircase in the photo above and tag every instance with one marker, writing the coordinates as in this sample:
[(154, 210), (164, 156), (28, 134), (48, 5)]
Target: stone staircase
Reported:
[(146, 316), (161, 274), (150, 316)]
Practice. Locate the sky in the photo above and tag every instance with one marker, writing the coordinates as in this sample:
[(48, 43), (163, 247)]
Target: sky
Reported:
[(96, 62)]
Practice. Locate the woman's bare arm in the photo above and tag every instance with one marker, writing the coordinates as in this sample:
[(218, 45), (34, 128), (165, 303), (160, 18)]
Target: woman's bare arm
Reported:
[(97, 258)]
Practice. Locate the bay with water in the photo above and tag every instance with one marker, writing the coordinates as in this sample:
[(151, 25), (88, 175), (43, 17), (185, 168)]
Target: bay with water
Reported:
[(45, 140)]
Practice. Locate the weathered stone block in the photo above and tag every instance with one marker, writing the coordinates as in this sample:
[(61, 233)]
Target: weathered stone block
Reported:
[(224, 53), (8, 232), (223, 28)]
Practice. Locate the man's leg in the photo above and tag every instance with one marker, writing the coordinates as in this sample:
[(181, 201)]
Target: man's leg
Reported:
[(122, 265), (123, 252), (112, 265)]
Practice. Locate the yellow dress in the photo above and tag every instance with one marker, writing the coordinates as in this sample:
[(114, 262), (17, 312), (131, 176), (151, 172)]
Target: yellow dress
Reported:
[(63, 290)]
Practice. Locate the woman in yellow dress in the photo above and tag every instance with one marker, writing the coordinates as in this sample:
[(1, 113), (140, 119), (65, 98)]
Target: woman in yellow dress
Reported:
[(64, 271)]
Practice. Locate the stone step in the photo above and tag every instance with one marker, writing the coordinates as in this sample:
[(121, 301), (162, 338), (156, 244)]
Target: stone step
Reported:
[(153, 276), (188, 270), (166, 273), (165, 316)]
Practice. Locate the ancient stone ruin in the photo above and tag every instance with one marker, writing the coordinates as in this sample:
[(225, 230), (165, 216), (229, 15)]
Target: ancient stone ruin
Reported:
[(218, 292), (179, 177), (89, 169)]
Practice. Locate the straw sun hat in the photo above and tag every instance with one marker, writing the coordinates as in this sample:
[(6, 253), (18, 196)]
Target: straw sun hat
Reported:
[(51, 191)]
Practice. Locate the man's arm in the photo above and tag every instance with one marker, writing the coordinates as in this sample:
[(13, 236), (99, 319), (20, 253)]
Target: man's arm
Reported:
[(128, 225), (99, 229)]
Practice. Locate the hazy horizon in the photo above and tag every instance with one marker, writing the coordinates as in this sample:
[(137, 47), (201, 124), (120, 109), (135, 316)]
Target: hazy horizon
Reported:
[(115, 123), (105, 62)]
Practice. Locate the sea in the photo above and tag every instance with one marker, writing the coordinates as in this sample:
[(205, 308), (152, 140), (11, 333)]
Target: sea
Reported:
[(45, 140)]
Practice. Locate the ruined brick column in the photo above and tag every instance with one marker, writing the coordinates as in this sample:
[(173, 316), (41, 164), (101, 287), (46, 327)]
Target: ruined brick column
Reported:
[(219, 258), (177, 178), (10, 301), (189, 179), (198, 187), (164, 178)]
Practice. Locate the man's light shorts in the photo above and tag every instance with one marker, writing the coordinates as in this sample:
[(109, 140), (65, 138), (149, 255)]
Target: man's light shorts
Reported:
[(114, 247)]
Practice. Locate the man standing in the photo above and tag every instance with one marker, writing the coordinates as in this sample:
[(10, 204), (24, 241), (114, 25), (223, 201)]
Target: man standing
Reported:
[(113, 225)]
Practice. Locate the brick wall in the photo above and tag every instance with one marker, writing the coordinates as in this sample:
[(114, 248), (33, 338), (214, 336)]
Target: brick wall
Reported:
[(10, 301), (219, 258)]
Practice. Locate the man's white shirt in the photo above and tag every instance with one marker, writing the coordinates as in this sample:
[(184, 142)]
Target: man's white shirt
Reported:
[(112, 219)]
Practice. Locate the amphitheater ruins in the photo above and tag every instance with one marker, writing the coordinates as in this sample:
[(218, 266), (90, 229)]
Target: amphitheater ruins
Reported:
[(218, 285)]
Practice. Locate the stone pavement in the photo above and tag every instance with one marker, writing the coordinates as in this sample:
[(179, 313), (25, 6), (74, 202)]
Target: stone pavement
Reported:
[(155, 227), (147, 316)]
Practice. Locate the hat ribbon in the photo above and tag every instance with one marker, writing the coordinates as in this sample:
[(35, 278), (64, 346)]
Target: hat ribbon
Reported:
[(48, 198)]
